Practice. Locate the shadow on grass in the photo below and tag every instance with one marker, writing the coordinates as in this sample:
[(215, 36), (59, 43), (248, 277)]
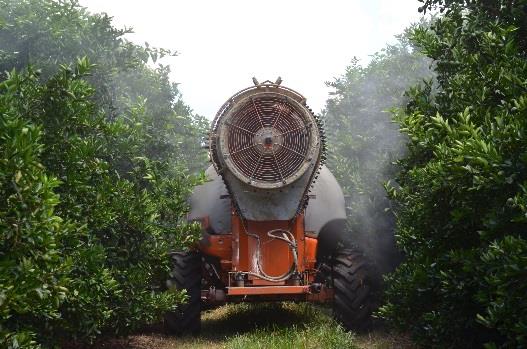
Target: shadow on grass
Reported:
[(238, 319), (220, 325), (263, 325)]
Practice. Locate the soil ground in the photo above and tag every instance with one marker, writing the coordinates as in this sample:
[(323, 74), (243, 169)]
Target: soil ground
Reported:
[(278, 325)]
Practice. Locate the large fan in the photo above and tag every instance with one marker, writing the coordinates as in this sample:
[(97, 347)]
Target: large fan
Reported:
[(267, 139)]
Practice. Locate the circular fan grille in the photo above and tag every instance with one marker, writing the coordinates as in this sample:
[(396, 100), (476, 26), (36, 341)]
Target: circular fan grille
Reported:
[(268, 140)]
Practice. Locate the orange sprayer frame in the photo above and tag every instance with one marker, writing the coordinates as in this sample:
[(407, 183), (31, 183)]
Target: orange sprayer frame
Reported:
[(276, 257), (237, 252)]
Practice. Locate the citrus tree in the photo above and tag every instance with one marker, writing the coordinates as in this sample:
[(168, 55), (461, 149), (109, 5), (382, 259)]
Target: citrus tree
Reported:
[(460, 204), (97, 156), (364, 142)]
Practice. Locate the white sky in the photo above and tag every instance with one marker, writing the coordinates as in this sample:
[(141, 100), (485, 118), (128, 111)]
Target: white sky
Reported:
[(223, 44)]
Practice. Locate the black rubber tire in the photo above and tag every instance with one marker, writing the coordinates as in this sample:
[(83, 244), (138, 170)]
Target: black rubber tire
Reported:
[(185, 275), (356, 284)]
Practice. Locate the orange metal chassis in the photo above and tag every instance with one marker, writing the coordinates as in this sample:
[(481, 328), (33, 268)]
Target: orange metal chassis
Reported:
[(237, 253)]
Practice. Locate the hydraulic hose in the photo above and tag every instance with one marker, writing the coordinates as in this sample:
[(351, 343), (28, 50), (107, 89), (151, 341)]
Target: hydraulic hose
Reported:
[(286, 237)]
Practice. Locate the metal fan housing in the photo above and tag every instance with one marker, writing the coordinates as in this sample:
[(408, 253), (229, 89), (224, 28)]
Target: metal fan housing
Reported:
[(267, 145)]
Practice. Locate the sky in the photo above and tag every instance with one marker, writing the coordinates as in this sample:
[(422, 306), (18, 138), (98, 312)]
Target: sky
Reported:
[(221, 45)]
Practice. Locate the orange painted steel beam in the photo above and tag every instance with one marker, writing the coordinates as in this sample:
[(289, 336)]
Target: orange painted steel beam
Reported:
[(239, 243), (267, 290), (310, 252), (217, 245), (275, 256), (261, 282)]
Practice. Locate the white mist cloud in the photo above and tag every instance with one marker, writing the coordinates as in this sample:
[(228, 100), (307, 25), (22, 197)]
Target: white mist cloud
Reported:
[(223, 44)]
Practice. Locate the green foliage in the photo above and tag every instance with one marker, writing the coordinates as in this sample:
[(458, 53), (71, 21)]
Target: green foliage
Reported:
[(95, 167), (47, 33), (461, 214), (99, 272), (364, 142), (503, 265), (33, 274)]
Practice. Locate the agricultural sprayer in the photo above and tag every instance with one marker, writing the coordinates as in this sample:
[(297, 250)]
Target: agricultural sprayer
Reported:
[(272, 214)]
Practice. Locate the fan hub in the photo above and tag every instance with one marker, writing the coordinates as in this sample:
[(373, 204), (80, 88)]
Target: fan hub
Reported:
[(268, 140)]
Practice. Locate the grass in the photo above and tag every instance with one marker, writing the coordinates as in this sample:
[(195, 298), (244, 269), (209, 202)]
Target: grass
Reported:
[(276, 325), (286, 326)]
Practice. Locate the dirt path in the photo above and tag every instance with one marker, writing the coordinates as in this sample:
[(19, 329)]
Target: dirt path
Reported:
[(266, 326)]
